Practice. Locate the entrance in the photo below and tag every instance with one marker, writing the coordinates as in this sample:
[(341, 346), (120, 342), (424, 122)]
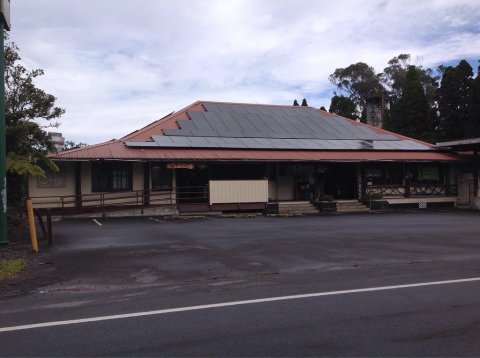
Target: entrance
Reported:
[(339, 180), (192, 185)]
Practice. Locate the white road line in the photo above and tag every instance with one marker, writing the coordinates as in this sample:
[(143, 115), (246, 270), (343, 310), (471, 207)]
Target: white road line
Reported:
[(235, 303), (97, 222)]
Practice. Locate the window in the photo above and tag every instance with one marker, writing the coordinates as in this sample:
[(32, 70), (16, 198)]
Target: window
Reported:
[(428, 173), (161, 177), (384, 174), (111, 176)]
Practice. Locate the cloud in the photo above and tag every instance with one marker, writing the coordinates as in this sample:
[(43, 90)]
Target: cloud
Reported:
[(116, 66)]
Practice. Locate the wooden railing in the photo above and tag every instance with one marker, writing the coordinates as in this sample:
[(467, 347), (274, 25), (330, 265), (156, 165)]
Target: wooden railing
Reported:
[(116, 201), (412, 190)]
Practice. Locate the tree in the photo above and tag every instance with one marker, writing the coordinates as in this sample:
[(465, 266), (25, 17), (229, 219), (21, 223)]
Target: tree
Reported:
[(343, 106), (453, 101), (69, 144), (27, 143), (409, 116), (473, 122), (394, 79), (358, 81), (322, 108), (304, 103), (295, 103)]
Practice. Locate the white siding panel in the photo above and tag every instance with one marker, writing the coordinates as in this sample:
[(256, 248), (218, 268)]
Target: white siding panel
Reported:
[(238, 191)]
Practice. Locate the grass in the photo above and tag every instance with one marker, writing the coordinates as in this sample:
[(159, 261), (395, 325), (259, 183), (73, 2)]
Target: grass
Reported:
[(11, 268)]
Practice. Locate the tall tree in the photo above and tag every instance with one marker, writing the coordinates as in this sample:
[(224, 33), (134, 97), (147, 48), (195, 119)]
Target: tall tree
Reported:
[(27, 143), (409, 116), (453, 101), (343, 106), (304, 103), (358, 81), (295, 103), (394, 78), (473, 123)]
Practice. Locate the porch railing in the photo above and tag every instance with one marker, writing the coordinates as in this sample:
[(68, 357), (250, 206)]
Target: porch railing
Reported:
[(413, 190), (116, 201)]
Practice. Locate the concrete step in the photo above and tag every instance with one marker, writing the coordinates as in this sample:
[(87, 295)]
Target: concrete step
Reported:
[(351, 207), (297, 207)]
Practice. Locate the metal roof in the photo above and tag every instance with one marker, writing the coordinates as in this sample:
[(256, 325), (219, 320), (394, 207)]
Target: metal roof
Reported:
[(228, 131), (118, 151)]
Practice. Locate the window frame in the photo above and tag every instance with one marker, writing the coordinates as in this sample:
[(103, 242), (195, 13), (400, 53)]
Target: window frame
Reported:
[(104, 177)]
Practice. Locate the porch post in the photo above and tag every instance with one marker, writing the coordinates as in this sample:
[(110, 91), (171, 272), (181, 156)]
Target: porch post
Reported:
[(447, 179), (146, 183), (406, 175), (78, 185), (475, 173), (362, 193)]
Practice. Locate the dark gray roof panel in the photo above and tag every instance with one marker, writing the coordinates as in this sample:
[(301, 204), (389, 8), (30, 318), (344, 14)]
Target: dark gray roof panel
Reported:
[(277, 143), (235, 126)]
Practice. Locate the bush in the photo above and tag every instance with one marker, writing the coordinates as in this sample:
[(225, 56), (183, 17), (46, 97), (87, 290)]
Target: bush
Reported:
[(325, 197), (373, 196)]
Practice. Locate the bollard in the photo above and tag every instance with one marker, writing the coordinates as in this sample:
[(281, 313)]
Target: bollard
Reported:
[(31, 222)]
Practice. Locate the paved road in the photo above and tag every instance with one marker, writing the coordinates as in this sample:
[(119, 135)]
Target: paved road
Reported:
[(127, 266)]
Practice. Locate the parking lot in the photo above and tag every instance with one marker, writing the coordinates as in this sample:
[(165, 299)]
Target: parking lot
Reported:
[(126, 252), (398, 283)]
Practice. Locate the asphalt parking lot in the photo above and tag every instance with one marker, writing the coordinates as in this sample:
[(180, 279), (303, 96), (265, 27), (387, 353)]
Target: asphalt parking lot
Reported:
[(388, 284), (121, 252)]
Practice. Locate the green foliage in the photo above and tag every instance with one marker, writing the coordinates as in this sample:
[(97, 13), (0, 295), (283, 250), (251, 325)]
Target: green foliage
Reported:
[(295, 103), (394, 78), (27, 143), (343, 106), (304, 103), (409, 116), (72, 145), (11, 268), (454, 102), (359, 81), (473, 121), (373, 196), (326, 197)]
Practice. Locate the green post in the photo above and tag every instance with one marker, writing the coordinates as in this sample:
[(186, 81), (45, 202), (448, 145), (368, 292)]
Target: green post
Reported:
[(3, 176)]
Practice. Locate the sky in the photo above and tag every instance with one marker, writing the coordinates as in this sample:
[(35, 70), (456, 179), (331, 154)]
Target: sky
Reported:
[(118, 65)]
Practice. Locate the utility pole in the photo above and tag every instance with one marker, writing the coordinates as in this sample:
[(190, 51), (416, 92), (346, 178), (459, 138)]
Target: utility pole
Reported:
[(4, 25)]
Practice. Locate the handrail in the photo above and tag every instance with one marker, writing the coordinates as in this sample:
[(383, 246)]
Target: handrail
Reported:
[(104, 201)]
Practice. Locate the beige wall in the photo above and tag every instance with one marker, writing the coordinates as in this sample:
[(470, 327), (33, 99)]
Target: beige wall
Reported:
[(238, 191), (54, 194), (54, 189)]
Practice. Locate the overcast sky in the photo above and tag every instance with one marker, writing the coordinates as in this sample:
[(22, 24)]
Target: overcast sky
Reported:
[(117, 65)]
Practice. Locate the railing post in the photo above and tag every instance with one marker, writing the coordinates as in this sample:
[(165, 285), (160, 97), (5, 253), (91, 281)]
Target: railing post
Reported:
[(102, 203)]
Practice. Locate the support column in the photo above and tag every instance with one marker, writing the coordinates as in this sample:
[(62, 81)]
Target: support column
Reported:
[(407, 176), (475, 174), (447, 179), (146, 183), (78, 185)]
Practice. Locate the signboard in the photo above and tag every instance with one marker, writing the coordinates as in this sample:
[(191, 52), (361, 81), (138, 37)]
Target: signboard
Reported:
[(428, 174), (180, 166), (5, 12)]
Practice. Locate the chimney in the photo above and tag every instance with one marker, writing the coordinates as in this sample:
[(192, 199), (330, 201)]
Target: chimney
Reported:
[(375, 109), (57, 140)]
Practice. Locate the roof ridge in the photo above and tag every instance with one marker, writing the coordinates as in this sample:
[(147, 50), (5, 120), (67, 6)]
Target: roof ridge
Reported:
[(164, 119), (256, 104), (87, 147)]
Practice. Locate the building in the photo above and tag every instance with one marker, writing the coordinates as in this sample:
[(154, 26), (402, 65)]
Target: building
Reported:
[(234, 156)]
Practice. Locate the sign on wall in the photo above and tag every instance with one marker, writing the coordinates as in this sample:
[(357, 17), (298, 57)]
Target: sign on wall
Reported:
[(53, 179), (180, 166)]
